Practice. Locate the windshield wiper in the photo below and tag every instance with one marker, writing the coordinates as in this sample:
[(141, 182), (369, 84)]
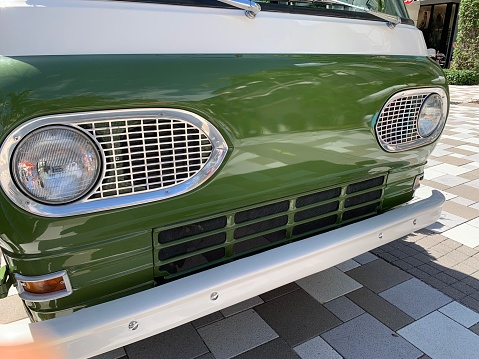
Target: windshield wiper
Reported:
[(250, 7), (392, 20)]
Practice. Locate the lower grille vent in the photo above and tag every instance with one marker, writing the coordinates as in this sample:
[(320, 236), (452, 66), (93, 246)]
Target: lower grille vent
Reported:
[(193, 246)]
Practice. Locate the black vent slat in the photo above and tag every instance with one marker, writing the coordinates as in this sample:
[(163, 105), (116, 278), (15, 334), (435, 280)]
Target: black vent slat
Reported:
[(363, 198), (360, 212), (364, 185), (260, 226), (316, 211), (317, 197), (191, 230), (261, 212), (314, 225), (259, 241), (193, 262), (191, 246)]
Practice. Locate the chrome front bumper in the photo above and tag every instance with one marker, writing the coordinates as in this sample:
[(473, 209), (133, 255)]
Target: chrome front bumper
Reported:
[(110, 325)]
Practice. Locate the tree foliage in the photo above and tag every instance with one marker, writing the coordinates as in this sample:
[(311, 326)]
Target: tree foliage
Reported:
[(466, 53)]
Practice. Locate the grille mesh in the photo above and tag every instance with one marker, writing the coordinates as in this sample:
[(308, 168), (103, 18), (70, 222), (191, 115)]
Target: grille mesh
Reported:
[(397, 123), (192, 246), (148, 154)]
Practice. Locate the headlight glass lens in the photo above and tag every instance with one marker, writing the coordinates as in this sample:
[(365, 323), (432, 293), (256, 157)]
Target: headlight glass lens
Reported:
[(56, 164), (430, 115)]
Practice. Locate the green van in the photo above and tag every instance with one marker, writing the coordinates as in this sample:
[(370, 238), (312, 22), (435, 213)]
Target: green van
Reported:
[(164, 159)]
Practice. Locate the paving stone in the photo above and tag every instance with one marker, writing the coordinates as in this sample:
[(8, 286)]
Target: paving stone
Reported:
[(240, 307), (463, 287), (425, 298), (297, 317), (465, 234), (316, 348), (403, 265), (461, 210), (328, 284), (424, 257), (399, 254), (366, 337), (344, 308), (466, 250), (389, 257), (470, 302), (441, 337), (446, 221), (475, 329), (429, 269), (11, 309), (453, 293), (113, 354), (379, 308), (465, 191), (365, 258), (414, 262), (205, 356), (446, 278), (207, 319), (278, 292), (347, 265), (418, 273), (378, 275), (434, 282), (457, 273), (472, 282), (460, 314), (237, 334), (275, 349), (441, 248), (168, 346)]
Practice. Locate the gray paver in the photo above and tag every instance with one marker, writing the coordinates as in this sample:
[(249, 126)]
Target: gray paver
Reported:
[(441, 337), (460, 314), (297, 317), (348, 265), (113, 354), (344, 308), (240, 307), (237, 334), (328, 284), (379, 275), (365, 258), (366, 337), (424, 298), (380, 308), (168, 346), (275, 349), (316, 348)]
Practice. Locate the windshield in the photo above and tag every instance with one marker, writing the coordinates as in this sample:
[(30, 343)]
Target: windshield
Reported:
[(391, 7)]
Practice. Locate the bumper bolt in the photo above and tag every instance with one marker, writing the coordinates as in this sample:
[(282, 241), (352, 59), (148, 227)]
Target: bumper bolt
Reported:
[(133, 325), (214, 296)]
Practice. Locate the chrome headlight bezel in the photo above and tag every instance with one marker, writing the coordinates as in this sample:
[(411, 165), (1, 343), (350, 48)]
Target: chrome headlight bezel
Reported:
[(396, 127), (80, 135), (96, 200)]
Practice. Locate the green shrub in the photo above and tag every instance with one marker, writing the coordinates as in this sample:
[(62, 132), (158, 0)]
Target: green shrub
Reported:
[(462, 77), (465, 56)]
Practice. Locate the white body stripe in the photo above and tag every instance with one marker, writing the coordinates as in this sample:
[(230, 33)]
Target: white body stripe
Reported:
[(85, 27)]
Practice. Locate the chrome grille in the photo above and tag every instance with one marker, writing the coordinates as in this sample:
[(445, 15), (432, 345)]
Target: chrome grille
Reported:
[(397, 123), (148, 154)]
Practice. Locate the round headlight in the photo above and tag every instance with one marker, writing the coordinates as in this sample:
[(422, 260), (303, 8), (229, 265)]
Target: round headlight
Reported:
[(56, 164), (430, 115)]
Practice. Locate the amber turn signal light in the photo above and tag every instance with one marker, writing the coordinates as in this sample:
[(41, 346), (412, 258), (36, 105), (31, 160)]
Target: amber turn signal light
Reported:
[(44, 286)]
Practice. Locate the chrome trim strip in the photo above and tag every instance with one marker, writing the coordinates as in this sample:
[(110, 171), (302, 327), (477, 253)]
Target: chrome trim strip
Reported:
[(86, 205), (419, 141), (94, 330), (43, 297)]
